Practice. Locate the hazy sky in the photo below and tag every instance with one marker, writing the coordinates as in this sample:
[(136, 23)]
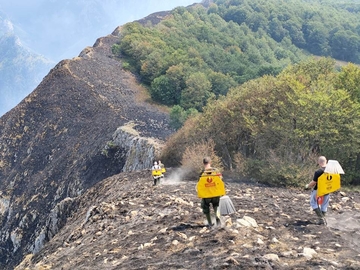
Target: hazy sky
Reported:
[(60, 29)]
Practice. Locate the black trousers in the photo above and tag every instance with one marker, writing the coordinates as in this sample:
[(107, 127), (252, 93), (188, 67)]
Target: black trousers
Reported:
[(205, 204)]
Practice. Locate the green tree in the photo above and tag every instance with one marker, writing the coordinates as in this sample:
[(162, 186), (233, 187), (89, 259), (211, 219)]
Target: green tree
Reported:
[(236, 14), (178, 116), (161, 90), (197, 92), (276, 30), (220, 83), (295, 32), (349, 80), (317, 36), (237, 40), (256, 21), (344, 45)]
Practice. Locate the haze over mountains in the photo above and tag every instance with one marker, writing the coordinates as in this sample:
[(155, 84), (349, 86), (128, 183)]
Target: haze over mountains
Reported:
[(35, 35)]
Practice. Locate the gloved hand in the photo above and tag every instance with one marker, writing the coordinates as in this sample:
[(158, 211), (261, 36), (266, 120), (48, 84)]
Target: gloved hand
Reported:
[(306, 186)]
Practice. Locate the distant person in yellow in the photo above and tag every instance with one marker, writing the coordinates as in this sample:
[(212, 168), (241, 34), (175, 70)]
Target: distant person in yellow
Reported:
[(156, 173), (320, 210), (210, 188), (162, 166)]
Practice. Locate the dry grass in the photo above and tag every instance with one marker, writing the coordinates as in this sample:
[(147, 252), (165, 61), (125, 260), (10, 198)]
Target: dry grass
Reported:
[(194, 155), (142, 94)]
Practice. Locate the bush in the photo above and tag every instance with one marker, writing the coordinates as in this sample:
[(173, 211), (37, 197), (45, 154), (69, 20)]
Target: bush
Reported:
[(192, 159), (178, 116), (179, 141), (285, 172)]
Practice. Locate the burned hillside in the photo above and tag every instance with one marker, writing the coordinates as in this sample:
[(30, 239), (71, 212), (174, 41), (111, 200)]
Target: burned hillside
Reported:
[(59, 141), (126, 223)]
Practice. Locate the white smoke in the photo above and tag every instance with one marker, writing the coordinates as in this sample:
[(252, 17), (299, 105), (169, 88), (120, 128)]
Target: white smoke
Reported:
[(176, 176)]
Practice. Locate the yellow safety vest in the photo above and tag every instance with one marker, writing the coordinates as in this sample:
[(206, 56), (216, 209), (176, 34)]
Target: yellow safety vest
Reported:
[(156, 172), (327, 183), (210, 185)]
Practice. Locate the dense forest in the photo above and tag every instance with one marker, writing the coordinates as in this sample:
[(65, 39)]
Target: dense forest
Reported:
[(240, 74), (273, 128)]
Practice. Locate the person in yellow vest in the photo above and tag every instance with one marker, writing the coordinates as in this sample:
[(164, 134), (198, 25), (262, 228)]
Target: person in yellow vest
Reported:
[(162, 166), (320, 210), (210, 188), (156, 173)]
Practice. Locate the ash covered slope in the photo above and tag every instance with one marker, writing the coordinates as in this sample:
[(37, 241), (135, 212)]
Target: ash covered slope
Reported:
[(52, 144), (125, 223)]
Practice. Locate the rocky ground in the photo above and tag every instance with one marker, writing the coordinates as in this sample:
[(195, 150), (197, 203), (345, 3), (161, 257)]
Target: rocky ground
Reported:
[(125, 223)]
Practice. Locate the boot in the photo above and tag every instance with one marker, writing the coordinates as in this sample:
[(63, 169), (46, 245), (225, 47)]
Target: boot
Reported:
[(318, 212), (208, 218), (320, 215), (323, 213), (218, 222), (321, 221)]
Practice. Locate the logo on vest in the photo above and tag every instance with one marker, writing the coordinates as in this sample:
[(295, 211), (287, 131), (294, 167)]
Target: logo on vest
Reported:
[(210, 182)]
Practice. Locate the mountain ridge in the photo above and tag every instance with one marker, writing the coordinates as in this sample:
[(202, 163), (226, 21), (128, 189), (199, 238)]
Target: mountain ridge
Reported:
[(53, 143)]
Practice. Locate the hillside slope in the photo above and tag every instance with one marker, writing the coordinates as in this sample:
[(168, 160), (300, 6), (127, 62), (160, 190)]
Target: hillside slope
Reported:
[(61, 139), (125, 223)]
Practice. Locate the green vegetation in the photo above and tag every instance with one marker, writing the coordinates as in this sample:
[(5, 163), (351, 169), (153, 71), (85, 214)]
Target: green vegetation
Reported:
[(236, 74), (195, 55), (273, 128), (327, 28)]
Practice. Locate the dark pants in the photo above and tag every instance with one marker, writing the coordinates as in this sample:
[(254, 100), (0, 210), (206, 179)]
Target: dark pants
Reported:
[(156, 180), (205, 204)]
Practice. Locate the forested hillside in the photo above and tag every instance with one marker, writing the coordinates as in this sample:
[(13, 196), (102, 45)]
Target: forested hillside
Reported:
[(200, 53), (328, 28), (271, 128)]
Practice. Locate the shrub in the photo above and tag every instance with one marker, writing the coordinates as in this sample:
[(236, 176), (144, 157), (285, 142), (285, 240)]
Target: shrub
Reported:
[(280, 171), (192, 159)]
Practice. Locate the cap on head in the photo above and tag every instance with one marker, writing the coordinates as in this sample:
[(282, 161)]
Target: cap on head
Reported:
[(155, 163)]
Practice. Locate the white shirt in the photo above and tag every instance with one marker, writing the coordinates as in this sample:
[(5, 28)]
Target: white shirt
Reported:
[(156, 167)]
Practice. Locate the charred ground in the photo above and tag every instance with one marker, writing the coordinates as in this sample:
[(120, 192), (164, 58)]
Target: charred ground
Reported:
[(126, 223), (51, 144)]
